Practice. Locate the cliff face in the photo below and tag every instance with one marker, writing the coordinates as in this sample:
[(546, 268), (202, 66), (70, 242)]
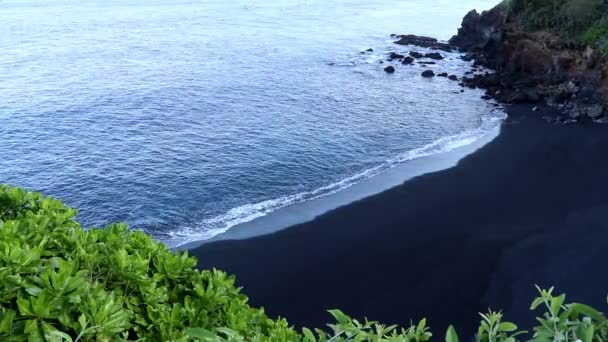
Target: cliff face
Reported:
[(534, 65)]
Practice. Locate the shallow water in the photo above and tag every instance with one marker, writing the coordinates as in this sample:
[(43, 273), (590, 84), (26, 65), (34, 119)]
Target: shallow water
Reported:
[(186, 118)]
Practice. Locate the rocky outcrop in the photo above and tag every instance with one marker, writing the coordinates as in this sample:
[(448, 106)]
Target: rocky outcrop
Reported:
[(427, 42), (480, 31), (389, 69), (532, 66)]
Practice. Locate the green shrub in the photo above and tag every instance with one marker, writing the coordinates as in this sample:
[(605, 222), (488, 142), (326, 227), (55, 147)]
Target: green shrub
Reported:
[(569, 18), (60, 282), (595, 35)]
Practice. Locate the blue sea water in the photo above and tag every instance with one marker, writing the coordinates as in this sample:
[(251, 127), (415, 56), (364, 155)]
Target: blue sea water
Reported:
[(184, 118)]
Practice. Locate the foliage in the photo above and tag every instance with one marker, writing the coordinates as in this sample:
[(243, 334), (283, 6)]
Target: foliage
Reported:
[(595, 35), (60, 282), (578, 20)]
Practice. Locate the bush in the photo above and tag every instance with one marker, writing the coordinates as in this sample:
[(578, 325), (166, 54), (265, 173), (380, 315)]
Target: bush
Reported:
[(594, 35), (59, 282), (569, 18)]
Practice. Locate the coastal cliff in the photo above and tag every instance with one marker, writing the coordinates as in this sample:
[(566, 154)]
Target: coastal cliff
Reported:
[(542, 51)]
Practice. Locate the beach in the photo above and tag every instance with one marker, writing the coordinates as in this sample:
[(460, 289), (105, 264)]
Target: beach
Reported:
[(528, 208)]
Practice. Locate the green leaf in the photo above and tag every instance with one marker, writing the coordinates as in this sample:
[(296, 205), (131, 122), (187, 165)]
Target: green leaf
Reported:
[(587, 311), (228, 332), (536, 303), (34, 291), (308, 335), (24, 307), (556, 303), (506, 327), (6, 322), (585, 333), (340, 317), (451, 335), (202, 334), (421, 326), (55, 335), (33, 331)]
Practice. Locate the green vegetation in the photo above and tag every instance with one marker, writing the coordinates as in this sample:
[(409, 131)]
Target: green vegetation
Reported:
[(60, 282), (580, 21)]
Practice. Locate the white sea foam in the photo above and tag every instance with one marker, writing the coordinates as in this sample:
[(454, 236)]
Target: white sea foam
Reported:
[(214, 226)]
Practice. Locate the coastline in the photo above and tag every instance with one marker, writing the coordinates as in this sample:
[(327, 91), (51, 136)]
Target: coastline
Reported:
[(527, 208), (306, 211)]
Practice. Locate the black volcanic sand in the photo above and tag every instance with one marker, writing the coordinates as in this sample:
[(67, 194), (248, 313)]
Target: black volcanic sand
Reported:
[(529, 208)]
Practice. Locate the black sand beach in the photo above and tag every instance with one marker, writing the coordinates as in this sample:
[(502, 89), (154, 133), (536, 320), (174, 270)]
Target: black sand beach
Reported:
[(529, 208)]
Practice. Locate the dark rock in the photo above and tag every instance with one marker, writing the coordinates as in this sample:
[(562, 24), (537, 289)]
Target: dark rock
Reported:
[(443, 74), (486, 97), (370, 50), (433, 55), (427, 63), (416, 54), (468, 57), (576, 113), (592, 57), (595, 111), (479, 31), (531, 94), (603, 120), (422, 41), (389, 69), (428, 73), (381, 61), (393, 35), (563, 63), (557, 93), (408, 60), (389, 59), (531, 66), (395, 55), (453, 77)]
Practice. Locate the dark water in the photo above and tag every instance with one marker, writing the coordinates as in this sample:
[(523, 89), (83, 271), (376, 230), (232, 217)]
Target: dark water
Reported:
[(185, 118)]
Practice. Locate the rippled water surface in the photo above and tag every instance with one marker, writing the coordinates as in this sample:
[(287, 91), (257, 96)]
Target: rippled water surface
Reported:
[(186, 117)]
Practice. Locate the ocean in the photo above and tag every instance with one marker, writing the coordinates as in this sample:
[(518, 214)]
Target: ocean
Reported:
[(186, 118)]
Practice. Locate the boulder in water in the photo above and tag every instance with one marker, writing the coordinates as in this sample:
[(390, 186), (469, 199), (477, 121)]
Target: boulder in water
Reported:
[(433, 55), (408, 60), (427, 42), (416, 54)]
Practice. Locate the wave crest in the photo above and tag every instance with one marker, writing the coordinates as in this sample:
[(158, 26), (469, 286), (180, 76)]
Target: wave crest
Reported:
[(214, 226)]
